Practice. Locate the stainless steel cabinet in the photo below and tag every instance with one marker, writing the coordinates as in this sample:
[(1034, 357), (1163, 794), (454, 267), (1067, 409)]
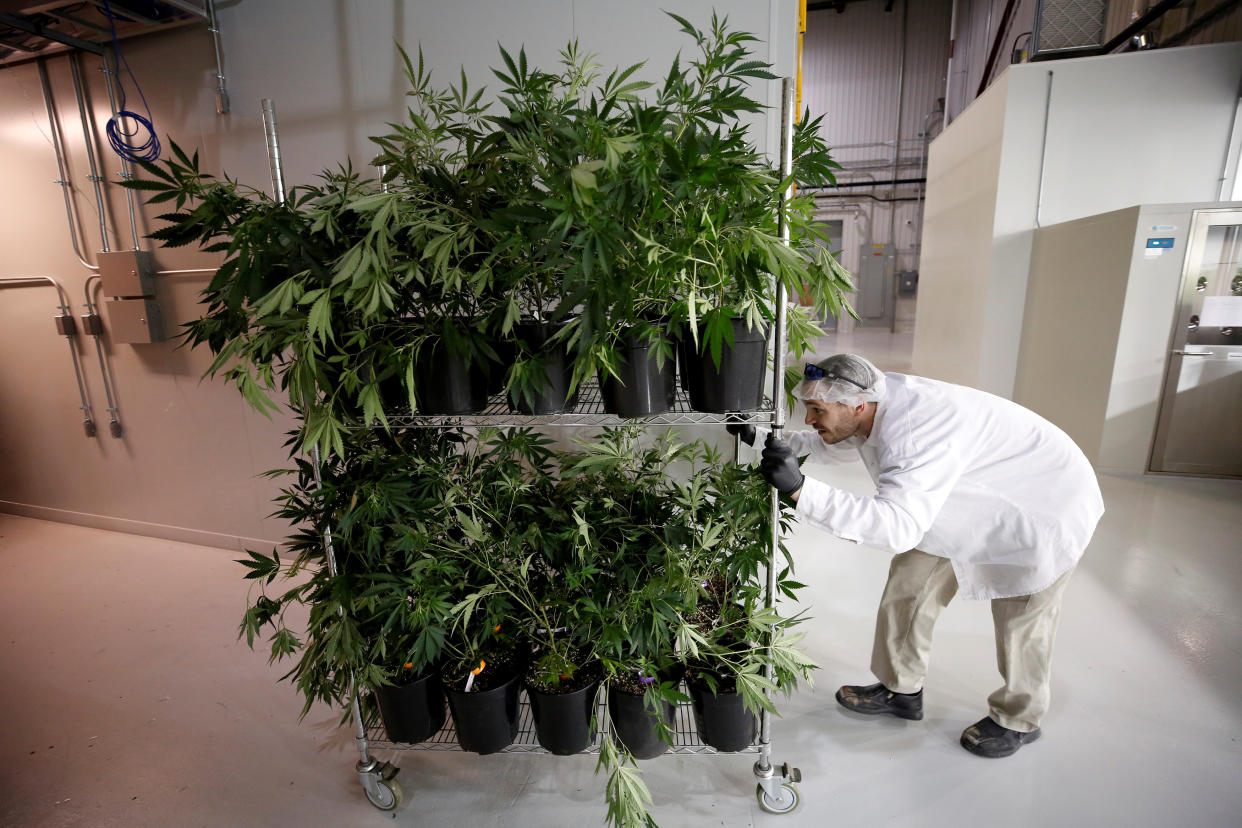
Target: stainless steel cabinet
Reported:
[(1199, 430)]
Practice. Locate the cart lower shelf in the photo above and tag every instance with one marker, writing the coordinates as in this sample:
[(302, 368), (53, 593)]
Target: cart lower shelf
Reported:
[(685, 735), (588, 411)]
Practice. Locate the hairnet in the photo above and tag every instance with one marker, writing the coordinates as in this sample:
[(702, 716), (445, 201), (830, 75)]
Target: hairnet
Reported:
[(847, 378)]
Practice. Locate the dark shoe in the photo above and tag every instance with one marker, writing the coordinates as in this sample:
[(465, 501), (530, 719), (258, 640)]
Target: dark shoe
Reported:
[(875, 699), (986, 738)]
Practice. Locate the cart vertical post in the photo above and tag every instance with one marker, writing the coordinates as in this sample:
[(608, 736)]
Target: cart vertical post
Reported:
[(775, 792), (377, 777)]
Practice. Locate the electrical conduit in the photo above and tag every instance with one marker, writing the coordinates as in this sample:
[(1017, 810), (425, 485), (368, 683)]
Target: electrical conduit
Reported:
[(54, 129), (105, 370), (75, 73), (127, 171), (88, 423)]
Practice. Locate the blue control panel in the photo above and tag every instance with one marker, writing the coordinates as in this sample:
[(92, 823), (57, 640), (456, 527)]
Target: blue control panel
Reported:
[(1161, 243)]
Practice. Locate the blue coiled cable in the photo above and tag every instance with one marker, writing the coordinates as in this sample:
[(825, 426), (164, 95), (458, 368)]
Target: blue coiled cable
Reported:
[(121, 137)]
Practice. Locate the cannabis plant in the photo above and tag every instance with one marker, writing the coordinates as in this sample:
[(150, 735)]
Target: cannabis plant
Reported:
[(389, 603)]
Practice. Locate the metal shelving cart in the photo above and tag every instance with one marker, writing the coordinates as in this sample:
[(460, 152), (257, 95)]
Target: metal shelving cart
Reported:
[(775, 791)]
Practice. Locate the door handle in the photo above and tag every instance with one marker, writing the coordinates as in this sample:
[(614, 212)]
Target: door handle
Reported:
[(1193, 353)]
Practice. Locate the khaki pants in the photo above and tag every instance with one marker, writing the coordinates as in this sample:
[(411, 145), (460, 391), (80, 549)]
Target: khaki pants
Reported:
[(919, 587)]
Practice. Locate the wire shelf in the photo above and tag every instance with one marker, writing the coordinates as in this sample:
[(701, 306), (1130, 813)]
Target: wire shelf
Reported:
[(589, 411), (685, 735)]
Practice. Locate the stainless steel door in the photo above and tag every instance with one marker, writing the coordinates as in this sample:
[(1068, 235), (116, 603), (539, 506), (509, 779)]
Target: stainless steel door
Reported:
[(1199, 430)]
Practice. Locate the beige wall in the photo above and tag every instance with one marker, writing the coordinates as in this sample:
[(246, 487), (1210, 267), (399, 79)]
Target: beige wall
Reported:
[(1121, 130), (1098, 323), (187, 466), (962, 173), (1077, 288), (1147, 321)]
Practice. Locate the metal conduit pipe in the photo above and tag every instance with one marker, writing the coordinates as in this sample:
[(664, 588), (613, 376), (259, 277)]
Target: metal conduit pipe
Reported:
[(866, 195), (90, 152), (93, 327), (892, 208), (222, 92), (127, 170), (866, 180), (54, 128), (879, 164), (860, 146), (88, 421), (927, 122), (948, 72)]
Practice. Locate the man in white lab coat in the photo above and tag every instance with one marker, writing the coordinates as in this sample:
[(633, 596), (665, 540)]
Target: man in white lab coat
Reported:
[(975, 495)]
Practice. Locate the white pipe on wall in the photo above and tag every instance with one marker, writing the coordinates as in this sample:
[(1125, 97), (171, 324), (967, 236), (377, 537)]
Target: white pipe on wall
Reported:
[(1043, 153), (1229, 178)]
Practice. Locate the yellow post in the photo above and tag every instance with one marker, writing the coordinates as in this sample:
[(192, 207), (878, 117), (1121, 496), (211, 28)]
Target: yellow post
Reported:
[(801, 32)]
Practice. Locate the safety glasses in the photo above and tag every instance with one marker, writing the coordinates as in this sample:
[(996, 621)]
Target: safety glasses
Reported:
[(814, 372)]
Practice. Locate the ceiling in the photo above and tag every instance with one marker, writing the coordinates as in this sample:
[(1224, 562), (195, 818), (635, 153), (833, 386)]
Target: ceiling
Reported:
[(30, 30)]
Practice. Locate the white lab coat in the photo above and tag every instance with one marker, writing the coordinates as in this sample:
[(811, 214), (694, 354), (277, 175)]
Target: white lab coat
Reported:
[(998, 490)]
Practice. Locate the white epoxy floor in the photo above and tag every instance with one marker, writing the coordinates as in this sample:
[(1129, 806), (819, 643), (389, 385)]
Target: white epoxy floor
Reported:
[(131, 703)]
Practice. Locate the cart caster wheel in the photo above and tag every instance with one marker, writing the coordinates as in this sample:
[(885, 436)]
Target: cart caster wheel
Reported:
[(387, 796), (785, 802)]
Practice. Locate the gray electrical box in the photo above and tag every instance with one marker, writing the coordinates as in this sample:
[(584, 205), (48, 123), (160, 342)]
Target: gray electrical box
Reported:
[(135, 321), (126, 273), (875, 285), (907, 282)]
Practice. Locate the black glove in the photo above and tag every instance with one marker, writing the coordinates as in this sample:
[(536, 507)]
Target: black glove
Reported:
[(779, 466), (746, 431)]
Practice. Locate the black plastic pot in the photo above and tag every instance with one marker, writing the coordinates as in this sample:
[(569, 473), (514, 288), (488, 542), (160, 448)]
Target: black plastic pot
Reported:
[(412, 712), (486, 720), (643, 387), (563, 720), (738, 384), (553, 396), (446, 385), (721, 720), (637, 727)]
